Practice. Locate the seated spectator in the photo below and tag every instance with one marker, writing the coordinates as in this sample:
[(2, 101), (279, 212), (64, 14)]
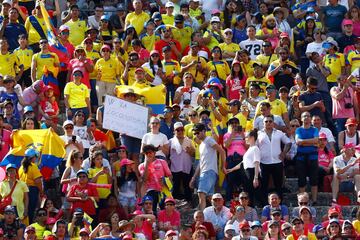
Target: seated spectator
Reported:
[(303, 201), (199, 220), (273, 231), (29, 233), (250, 212), (10, 225), (305, 216), (245, 232), (334, 212), (333, 230), (237, 218), (256, 229), (275, 217), (346, 172), (78, 224), (274, 203), (169, 218), (286, 229), (350, 134), (348, 230), (143, 224), (10, 120), (299, 230), (217, 214), (325, 160)]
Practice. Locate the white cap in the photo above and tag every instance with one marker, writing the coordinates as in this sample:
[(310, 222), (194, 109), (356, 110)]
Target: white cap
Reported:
[(216, 196), (214, 19), (194, 0), (7, 1), (178, 125), (68, 122), (203, 54), (229, 227), (63, 28), (227, 30), (169, 4)]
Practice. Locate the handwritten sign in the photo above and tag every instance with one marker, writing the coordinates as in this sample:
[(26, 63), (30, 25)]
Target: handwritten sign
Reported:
[(125, 117)]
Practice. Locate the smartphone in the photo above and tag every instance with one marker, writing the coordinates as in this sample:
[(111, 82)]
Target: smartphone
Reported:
[(73, 138), (88, 123)]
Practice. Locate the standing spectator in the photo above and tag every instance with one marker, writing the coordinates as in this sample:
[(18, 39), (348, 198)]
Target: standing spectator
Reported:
[(235, 81), (187, 93), (346, 172), (265, 110), (269, 141), (334, 60), (156, 138), (316, 45), (37, 31), (30, 174), (167, 123), (333, 15), (167, 40), (77, 27), (12, 61), (137, 18), (307, 138), (81, 61), (5, 138), (94, 20), (208, 167), (152, 170), (217, 214), (344, 103), (11, 92), (252, 45), (347, 38), (182, 152), (311, 101)]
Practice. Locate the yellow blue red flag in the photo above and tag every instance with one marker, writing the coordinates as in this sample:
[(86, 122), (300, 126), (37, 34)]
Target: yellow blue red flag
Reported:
[(46, 141)]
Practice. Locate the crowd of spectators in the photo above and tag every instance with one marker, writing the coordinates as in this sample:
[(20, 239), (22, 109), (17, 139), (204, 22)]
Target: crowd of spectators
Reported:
[(255, 92)]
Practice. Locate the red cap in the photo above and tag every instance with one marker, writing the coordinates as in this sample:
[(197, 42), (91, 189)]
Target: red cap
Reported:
[(322, 136), (348, 146), (171, 233), (350, 121), (347, 22), (244, 224), (105, 47), (137, 212), (154, 52), (127, 237), (50, 221), (126, 162), (284, 35), (139, 69), (169, 199), (84, 230), (333, 210), (235, 62)]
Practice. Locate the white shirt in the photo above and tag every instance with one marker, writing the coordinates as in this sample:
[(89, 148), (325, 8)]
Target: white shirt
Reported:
[(159, 139), (92, 22), (339, 163), (70, 147), (270, 150), (315, 47), (219, 219), (252, 46), (251, 156), (259, 123), (192, 94), (87, 164), (157, 79), (208, 156)]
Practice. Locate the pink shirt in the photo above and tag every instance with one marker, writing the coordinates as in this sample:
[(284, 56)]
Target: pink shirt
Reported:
[(76, 63), (234, 85), (143, 54), (157, 170), (325, 158), (173, 219), (339, 110), (356, 28), (237, 144), (5, 143)]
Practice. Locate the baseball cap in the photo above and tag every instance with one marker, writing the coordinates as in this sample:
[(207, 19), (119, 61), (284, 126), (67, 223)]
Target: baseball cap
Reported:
[(178, 125), (317, 228), (273, 222), (10, 208), (166, 48), (139, 70), (169, 4), (255, 223), (215, 11), (350, 121), (322, 136), (334, 220), (347, 22), (284, 35), (7, 2), (333, 210), (68, 122), (214, 19), (28, 109), (199, 127), (81, 171), (147, 198), (64, 28), (126, 162), (228, 30), (78, 210), (270, 87), (194, 44), (244, 224), (84, 230), (171, 233), (234, 102), (50, 221), (30, 228), (216, 196), (304, 208), (154, 52), (285, 225), (179, 18), (169, 199), (274, 211), (240, 209), (105, 47), (10, 165), (296, 219)]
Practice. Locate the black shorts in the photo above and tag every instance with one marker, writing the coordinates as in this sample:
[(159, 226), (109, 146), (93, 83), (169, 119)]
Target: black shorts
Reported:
[(306, 167)]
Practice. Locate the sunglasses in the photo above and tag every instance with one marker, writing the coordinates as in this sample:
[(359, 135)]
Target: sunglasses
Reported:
[(303, 203), (287, 229), (77, 74), (192, 115), (65, 33), (80, 115), (216, 51), (82, 176), (268, 121), (169, 204), (155, 123), (43, 42), (196, 133), (133, 59), (69, 127), (155, 55), (245, 230), (296, 223), (266, 45), (244, 198), (295, 126)]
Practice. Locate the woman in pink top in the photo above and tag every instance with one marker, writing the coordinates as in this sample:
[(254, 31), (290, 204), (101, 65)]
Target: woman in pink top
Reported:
[(234, 142), (85, 64), (4, 139), (354, 15), (235, 81), (325, 157), (169, 218)]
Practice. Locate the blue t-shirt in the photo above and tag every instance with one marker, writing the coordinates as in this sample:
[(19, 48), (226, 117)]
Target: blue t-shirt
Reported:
[(239, 35), (266, 211), (12, 32), (334, 15), (307, 133), (310, 98)]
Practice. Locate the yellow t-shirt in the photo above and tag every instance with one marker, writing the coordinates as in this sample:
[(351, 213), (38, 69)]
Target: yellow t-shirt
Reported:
[(278, 107), (231, 47), (48, 60), (77, 31), (195, 12), (24, 56), (109, 69), (264, 60), (171, 67), (9, 62), (149, 41), (33, 35), (334, 63), (17, 196), (76, 94), (124, 56), (102, 179), (29, 177), (263, 82), (183, 35), (213, 42), (199, 77), (310, 236), (39, 230), (241, 117), (137, 20), (170, 20), (354, 60), (221, 67), (248, 68), (356, 224), (93, 55)]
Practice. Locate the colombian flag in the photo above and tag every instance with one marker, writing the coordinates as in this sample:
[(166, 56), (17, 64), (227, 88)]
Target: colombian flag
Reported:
[(46, 141)]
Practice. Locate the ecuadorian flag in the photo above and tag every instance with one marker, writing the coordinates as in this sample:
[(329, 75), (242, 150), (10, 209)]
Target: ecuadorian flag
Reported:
[(46, 141)]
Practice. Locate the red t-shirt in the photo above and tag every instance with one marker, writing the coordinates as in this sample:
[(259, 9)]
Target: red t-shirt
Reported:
[(88, 206), (209, 227), (235, 85), (174, 218), (161, 43), (145, 229), (157, 170), (76, 63), (50, 108)]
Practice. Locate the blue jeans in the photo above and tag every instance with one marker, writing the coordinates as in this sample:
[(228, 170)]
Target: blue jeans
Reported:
[(93, 96), (340, 124)]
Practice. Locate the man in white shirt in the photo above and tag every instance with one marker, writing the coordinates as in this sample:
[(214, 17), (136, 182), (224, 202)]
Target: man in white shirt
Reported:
[(252, 45), (317, 122), (94, 20), (208, 167), (217, 214), (271, 162), (316, 46), (346, 171)]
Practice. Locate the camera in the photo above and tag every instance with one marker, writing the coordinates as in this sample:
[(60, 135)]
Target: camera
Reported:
[(187, 102), (348, 105)]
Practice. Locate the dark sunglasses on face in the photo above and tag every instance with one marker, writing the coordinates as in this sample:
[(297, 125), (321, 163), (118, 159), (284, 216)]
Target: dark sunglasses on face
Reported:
[(82, 176)]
